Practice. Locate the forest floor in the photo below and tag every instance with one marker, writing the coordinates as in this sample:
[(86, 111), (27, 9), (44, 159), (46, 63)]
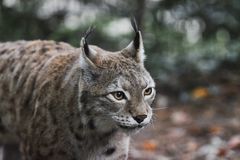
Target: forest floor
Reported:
[(204, 128), (208, 129)]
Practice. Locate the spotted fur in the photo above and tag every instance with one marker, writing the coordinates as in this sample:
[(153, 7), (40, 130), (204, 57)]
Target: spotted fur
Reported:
[(59, 100)]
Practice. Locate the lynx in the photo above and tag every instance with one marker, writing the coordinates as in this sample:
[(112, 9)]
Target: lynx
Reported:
[(66, 103)]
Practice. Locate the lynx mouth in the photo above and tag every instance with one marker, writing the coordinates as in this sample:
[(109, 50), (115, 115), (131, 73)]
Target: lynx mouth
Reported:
[(130, 127)]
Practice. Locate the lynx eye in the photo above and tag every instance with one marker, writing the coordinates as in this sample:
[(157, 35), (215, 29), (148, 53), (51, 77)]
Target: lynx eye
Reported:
[(118, 95), (148, 91)]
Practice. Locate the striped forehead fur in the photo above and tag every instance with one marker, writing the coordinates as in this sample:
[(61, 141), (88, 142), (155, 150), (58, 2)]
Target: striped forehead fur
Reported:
[(114, 60)]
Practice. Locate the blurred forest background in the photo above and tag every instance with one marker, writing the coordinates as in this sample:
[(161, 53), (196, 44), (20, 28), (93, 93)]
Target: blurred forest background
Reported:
[(193, 53)]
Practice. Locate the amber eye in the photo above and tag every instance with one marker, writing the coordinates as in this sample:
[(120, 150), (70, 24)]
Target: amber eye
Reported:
[(119, 95), (148, 91)]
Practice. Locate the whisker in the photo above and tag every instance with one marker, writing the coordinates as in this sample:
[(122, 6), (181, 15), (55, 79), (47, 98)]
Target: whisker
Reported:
[(152, 124), (154, 117), (159, 108)]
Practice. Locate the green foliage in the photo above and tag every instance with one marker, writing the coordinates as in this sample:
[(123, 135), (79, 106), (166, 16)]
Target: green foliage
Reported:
[(181, 36)]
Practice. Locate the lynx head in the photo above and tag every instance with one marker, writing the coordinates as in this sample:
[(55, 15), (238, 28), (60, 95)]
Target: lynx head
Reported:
[(116, 89)]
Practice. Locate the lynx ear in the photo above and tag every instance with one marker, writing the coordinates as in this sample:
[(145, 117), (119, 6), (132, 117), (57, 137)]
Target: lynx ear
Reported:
[(88, 56), (135, 49)]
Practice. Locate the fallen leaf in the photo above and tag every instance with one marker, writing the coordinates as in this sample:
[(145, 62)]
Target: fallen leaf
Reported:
[(222, 152), (200, 92), (191, 146), (216, 130), (198, 130), (150, 145), (181, 117), (176, 132), (234, 142)]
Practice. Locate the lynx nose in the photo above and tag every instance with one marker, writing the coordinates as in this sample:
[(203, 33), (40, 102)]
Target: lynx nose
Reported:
[(140, 118)]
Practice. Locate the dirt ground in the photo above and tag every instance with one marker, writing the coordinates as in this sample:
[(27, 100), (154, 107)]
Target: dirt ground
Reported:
[(208, 129)]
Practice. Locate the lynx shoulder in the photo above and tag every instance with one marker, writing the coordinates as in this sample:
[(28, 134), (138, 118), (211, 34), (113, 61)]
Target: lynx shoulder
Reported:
[(69, 103)]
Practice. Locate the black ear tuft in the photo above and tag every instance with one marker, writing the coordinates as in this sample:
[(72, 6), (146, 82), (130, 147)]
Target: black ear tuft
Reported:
[(85, 44), (86, 48), (136, 41), (134, 24), (88, 32), (136, 48)]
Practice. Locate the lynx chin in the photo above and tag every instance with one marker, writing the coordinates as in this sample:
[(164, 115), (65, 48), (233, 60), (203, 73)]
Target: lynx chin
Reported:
[(66, 103)]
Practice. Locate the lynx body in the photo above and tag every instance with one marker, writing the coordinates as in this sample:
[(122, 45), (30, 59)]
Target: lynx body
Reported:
[(66, 103)]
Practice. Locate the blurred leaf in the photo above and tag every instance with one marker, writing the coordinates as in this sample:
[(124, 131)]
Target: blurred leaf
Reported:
[(200, 92), (149, 145)]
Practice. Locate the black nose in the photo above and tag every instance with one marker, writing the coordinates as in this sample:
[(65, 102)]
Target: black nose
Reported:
[(140, 118)]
